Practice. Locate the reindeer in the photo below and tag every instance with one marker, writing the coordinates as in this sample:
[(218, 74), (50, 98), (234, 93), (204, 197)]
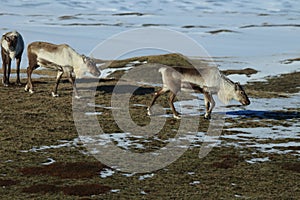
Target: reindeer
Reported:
[(62, 58), (207, 80), (12, 46)]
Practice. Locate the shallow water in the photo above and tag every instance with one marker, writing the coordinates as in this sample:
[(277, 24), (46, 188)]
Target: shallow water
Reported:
[(24, 75)]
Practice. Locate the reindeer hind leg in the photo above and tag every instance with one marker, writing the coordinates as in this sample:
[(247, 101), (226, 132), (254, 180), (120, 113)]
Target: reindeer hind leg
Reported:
[(8, 71), (32, 60), (18, 62), (58, 77), (156, 95), (29, 86), (172, 96)]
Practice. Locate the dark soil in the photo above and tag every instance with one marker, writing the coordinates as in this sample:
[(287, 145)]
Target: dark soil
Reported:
[(29, 121)]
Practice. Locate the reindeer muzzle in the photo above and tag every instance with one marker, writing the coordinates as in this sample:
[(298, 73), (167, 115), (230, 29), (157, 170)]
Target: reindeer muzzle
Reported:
[(246, 102)]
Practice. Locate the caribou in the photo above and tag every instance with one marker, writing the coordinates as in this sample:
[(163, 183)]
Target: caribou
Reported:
[(208, 80), (12, 46), (62, 58)]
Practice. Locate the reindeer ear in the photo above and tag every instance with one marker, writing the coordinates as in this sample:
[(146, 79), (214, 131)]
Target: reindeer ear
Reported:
[(237, 85), (6, 38), (83, 58)]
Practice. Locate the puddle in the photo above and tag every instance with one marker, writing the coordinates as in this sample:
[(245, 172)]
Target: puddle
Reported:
[(277, 147), (108, 71), (115, 190), (143, 177), (258, 160), (24, 75), (195, 183), (123, 140), (129, 175), (265, 133), (49, 161), (65, 143), (93, 113), (143, 192), (106, 173)]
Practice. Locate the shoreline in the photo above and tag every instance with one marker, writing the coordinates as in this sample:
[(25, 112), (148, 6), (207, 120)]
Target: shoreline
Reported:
[(268, 87)]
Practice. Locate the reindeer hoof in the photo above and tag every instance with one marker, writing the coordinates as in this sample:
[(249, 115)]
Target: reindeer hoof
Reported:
[(207, 116), (5, 84), (177, 116), (55, 95), (26, 88), (149, 111)]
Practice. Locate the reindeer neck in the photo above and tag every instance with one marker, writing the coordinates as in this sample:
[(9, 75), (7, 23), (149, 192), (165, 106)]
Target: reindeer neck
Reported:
[(77, 63), (226, 90), (76, 57), (79, 72), (227, 82)]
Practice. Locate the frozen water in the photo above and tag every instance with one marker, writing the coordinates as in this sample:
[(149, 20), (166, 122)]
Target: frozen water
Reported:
[(259, 34), (145, 176), (106, 173)]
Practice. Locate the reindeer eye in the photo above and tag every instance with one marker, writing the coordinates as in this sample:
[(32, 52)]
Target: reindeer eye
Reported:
[(242, 92)]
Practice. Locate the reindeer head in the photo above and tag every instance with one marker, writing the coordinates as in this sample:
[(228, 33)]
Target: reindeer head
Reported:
[(11, 40), (240, 94), (91, 66)]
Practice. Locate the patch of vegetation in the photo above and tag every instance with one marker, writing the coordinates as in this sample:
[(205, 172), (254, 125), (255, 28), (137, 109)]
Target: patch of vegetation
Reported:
[(279, 86), (29, 121)]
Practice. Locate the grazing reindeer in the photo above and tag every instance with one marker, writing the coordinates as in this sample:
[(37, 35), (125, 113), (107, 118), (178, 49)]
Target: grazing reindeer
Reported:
[(62, 58), (12, 46), (208, 81)]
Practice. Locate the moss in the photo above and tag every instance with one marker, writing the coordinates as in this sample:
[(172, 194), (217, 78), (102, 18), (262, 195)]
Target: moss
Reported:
[(36, 120), (279, 86)]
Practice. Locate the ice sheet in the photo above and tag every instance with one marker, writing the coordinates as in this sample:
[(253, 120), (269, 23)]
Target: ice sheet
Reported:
[(257, 34)]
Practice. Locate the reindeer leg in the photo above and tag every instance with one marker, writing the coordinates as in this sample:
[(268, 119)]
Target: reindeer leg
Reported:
[(156, 95), (29, 85), (209, 104), (72, 81), (18, 62), (58, 77), (171, 100), (4, 64), (8, 70)]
